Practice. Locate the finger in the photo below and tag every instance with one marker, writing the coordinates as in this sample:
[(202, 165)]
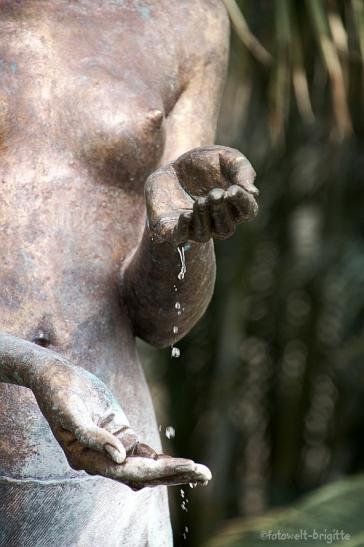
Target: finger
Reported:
[(75, 443), (164, 471), (113, 419), (145, 451), (222, 223), (139, 472), (78, 422), (242, 204), (96, 438), (182, 230), (128, 437), (201, 222)]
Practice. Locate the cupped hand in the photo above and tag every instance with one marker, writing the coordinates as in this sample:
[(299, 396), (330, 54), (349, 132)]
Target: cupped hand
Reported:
[(95, 435), (205, 193)]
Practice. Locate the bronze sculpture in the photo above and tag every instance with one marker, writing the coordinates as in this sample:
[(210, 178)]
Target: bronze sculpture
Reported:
[(99, 99)]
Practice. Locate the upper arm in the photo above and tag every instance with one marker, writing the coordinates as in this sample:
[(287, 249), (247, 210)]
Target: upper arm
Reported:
[(192, 121)]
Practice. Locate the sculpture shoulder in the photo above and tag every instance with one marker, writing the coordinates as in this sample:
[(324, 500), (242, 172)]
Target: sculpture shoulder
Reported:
[(177, 34), (201, 15), (205, 22), (200, 30)]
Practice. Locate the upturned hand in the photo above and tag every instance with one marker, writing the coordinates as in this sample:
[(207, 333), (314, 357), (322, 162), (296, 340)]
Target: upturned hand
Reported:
[(205, 193), (94, 432)]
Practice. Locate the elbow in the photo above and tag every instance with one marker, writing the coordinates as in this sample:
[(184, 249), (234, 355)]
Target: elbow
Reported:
[(161, 338), (162, 334)]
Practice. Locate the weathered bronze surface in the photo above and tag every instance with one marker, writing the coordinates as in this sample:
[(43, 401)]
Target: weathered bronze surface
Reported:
[(99, 100)]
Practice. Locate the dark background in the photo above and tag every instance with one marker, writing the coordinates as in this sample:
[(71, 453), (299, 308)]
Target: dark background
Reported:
[(268, 391)]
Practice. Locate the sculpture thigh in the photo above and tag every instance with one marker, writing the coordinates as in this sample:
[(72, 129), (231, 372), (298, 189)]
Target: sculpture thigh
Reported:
[(82, 512)]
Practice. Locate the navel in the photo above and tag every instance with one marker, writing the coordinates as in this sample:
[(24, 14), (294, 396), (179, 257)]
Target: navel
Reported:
[(42, 338)]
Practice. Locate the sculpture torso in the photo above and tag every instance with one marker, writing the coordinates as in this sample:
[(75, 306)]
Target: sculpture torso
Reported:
[(92, 100), (82, 109)]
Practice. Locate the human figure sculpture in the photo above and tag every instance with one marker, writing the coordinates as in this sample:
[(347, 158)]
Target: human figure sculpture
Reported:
[(107, 114)]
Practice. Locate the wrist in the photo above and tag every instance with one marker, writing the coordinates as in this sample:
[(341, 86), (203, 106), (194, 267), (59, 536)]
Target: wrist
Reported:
[(21, 362)]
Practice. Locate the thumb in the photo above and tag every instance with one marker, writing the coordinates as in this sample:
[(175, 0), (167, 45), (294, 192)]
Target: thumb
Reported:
[(99, 439)]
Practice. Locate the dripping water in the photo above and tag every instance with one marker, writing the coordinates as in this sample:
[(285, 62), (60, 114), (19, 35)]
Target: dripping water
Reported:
[(170, 432), (183, 270), (176, 352), (184, 535)]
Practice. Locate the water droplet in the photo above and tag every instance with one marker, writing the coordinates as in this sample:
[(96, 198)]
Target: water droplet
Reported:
[(170, 432), (176, 352), (182, 493), (177, 305), (183, 505), (175, 329), (179, 312), (186, 529), (181, 252)]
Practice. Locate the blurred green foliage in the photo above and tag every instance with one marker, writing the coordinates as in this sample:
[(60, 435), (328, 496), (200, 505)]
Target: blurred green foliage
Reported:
[(269, 387), (331, 516)]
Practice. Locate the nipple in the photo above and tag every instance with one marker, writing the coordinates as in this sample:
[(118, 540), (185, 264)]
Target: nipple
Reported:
[(149, 122), (155, 118)]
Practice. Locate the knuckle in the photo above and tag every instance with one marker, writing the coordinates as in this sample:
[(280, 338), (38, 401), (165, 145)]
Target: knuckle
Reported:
[(235, 191), (216, 195), (200, 204)]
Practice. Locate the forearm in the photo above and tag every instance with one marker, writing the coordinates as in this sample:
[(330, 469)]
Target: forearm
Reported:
[(149, 284), (21, 362)]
